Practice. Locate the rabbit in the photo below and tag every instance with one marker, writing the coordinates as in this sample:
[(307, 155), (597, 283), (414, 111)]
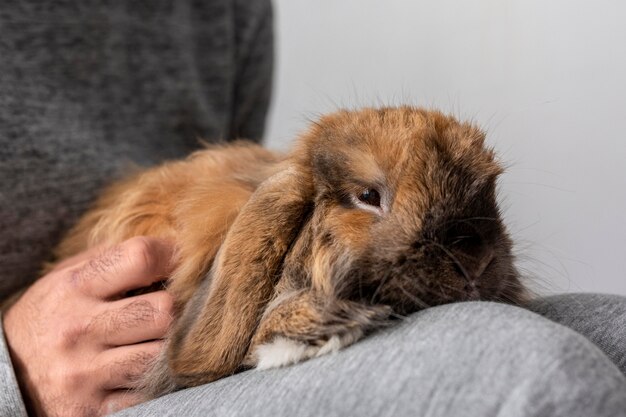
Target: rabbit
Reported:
[(374, 214)]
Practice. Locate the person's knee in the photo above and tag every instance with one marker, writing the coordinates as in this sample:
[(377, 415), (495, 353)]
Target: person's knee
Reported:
[(492, 332), (575, 304), (466, 359), (498, 357), (599, 317)]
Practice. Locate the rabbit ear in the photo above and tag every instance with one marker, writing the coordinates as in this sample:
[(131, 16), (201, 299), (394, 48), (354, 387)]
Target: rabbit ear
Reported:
[(212, 337)]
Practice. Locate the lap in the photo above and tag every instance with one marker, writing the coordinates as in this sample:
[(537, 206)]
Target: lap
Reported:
[(599, 317), (465, 359)]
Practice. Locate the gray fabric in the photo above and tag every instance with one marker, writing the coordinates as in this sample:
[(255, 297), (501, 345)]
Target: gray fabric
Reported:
[(466, 359), (89, 87), (11, 403), (86, 88), (600, 317)]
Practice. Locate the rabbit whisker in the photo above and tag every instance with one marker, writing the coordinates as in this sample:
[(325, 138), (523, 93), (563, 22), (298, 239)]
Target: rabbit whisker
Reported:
[(380, 285), (468, 219), (453, 258), (421, 303)]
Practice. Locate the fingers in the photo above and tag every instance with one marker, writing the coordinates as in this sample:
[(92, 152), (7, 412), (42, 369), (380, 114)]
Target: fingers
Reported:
[(135, 263), (133, 320), (78, 258), (118, 400), (124, 366), (74, 335)]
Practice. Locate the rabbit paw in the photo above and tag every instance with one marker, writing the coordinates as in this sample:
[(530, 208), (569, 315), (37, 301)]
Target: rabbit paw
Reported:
[(282, 351), (304, 326)]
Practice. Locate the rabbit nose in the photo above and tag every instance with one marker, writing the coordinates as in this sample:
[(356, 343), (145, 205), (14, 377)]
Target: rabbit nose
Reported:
[(470, 251), (483, 263), (472, 260)]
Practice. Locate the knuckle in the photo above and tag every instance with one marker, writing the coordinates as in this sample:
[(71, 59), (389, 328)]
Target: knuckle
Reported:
[(140, 251), (162, 321), (160, 312), (71, 377), (78, 277), (164, 303), (102, 264), (75, 276), (71, 333)]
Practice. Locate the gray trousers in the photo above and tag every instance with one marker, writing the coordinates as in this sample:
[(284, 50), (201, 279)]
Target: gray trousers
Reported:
[(567, 358)]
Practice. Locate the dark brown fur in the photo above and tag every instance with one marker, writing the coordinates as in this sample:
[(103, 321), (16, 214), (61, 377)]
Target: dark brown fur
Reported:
[(274, 246)]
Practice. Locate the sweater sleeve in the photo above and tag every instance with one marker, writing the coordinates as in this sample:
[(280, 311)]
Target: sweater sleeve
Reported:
[(11, 403)]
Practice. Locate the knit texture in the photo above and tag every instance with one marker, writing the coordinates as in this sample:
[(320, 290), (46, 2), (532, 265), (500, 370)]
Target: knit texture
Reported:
[(87, 89)]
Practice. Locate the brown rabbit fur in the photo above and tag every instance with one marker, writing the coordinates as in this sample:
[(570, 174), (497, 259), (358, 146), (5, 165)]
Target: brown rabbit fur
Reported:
[(375, 214)]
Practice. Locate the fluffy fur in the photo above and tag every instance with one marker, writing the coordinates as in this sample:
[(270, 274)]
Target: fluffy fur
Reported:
[(281, 257)]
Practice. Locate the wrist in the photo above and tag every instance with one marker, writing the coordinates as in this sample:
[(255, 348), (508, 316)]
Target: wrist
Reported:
[(14, 396)]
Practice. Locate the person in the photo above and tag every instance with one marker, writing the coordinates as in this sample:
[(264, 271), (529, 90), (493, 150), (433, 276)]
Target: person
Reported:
[(88, 88)]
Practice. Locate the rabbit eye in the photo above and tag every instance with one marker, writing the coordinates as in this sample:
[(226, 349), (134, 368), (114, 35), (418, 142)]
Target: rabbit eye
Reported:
[(371, 197)]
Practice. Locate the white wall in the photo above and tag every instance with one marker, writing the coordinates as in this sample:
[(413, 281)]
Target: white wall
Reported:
[(547, 79)]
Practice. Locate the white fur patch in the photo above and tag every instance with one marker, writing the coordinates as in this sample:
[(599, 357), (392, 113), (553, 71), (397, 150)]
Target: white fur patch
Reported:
[(283, 351), (280, 352)]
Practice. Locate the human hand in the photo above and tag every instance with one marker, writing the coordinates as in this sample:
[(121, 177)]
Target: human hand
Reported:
[(78, 346)]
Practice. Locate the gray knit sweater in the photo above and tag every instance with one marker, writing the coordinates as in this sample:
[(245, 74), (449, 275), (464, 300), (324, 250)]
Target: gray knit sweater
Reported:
[(89, 87)]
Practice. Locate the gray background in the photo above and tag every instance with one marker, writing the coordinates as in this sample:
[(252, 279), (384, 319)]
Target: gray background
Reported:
[(546, 79)]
